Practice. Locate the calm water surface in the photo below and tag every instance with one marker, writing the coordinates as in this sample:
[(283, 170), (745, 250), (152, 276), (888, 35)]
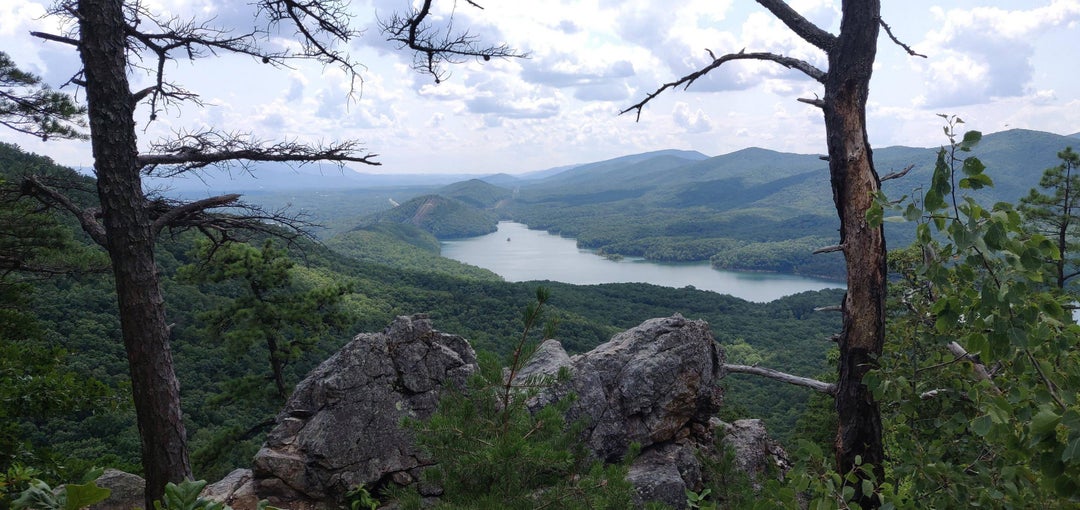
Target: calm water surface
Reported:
[(519, 254)]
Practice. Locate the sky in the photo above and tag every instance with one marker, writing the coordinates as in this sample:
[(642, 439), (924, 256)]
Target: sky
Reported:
[(997, 64)]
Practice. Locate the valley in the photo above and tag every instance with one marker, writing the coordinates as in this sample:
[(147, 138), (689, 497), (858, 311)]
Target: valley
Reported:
[(393, 246)]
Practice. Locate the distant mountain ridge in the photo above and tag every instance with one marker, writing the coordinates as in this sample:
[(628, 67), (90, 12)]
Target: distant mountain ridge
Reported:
[(754, 208)]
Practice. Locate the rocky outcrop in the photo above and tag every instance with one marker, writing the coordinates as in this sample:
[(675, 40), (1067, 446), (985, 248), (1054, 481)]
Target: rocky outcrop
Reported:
[(126, 490), (655, 386), (342, 425), (236, 491), (651, 384), (756, 454)]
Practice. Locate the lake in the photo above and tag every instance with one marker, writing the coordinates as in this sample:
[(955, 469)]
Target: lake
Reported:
[(519, 254)]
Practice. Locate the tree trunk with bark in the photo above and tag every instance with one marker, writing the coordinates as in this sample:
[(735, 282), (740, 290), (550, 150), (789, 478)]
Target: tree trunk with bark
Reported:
[(854, 182), (110, 32), (130, 244)]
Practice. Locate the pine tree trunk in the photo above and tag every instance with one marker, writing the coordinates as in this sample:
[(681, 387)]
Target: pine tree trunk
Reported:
[(277, 367), (854, 181), (130, 243)]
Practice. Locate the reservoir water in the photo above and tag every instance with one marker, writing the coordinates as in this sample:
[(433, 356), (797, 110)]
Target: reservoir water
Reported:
[(519, 254)]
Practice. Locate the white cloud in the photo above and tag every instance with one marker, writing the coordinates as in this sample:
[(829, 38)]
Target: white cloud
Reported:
[(984, 53), (592, 58), (693, 122)]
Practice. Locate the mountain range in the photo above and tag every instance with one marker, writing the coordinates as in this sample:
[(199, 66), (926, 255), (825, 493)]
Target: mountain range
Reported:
[(753, 209)]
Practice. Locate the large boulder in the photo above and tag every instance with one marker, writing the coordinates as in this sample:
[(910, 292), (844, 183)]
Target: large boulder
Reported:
[(755, 453), (127, 491), (655, 385), (342, 425)]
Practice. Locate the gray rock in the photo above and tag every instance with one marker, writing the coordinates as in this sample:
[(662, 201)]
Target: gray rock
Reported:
[(648, 385), (341, 427), (236, 490), (546, 362), (665, 473), (655, 385), (128, 490), (756, 454)]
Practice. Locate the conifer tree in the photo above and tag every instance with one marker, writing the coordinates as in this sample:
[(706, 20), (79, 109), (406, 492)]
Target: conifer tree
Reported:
[(270, 308), (1056, 213), (28, 105)]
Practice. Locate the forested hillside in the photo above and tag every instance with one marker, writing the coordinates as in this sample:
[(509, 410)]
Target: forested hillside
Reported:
[(226, 394), (444, 217), (753, 209)]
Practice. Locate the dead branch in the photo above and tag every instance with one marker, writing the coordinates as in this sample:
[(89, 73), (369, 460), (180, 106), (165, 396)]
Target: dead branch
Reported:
[(189, 151), (897, 175), (240, 222), (908, 49), (435, 47), (55, 38), (802, 27), (88, 217), (976, 364), (823, 387), (321, 27), (788, 62), (187, 210), (828, 249)]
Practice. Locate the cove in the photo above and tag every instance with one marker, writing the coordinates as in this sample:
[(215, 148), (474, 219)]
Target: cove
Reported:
[(519, 254)]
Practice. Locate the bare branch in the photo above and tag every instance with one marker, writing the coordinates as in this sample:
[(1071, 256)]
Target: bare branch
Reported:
[(435, 47), (908, 49), (830, 308), (686, 81), (814, 384), (321, 26), (802, 27), (897, 175), (88, 218), (162, 38), (828, 249), (186, 210), (1050, 386), (199, 150), (55, 38), (813, 102), (222, 227), (976, 364)]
